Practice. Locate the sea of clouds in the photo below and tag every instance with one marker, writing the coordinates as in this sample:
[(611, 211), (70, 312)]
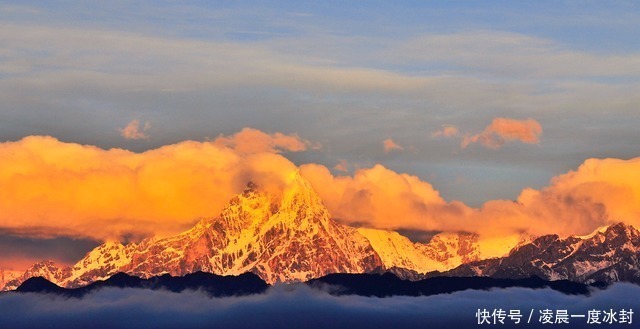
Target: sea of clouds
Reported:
[(298, 306)]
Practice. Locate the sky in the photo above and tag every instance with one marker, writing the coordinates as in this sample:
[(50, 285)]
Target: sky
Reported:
[(469, 105)]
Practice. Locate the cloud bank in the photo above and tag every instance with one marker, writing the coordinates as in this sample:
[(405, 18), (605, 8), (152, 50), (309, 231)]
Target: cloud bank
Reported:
[(57, 189), (298, 307), (67, 189)]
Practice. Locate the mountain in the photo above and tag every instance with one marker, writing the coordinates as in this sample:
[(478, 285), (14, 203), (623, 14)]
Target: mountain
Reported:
[(607, 255), (379, 285), (444, 251), (9, 275), (289, 236), (387, 284), (281, 237), (213, 285), (45, 269)]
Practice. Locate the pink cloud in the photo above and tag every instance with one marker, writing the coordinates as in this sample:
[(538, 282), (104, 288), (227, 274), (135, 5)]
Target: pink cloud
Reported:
[(390, 145), (446, 131), (133, 130), (342, 166), (249, 141), (502, 130)]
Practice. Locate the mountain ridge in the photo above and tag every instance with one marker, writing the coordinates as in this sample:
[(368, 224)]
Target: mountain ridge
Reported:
[(608, 254), (339, 284), (280, 237)]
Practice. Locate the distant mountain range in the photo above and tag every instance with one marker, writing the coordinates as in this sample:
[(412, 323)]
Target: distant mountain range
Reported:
[(379, 285), (291, 237), (213, 285), (607, 255)]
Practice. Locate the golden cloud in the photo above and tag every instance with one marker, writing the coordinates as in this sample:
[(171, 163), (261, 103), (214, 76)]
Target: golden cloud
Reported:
[(600, 192), (57, 188), (81, 190)]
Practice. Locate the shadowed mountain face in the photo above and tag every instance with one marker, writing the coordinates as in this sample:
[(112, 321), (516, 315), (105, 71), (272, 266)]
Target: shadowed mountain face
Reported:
[(213, 285), (378, 285), (387, 284)]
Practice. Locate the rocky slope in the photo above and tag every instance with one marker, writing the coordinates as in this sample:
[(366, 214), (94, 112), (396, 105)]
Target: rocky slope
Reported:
[(607, 255)]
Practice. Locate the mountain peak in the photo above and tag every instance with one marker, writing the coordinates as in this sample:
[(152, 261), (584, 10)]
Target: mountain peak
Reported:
[(621, 229), (251, 188)]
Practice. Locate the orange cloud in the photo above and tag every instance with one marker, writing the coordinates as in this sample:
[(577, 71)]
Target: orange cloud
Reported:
[(381, 198), (502, 130), (79, 190), (250, 140), (446, 131), (54, 188), (600, 192), (134, 131), (390, 145)]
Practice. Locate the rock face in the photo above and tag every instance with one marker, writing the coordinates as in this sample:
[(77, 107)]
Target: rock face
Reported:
[(607, 255), (281, 238), (444, 251)]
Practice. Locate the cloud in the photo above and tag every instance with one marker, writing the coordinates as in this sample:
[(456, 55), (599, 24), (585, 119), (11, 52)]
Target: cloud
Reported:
[(251, 140), (133, 130), (65, 189), (379, 197), (600, 192), (298, 306), (343, 166), (56, 189), (390, 145), (446, 131), (502, 130), (509, 54)]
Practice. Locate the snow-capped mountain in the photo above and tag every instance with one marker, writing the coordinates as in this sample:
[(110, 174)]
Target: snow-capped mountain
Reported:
[(608, 254), (46, 269), (290, 236), (444, 251), (284, 237), (7, 276)]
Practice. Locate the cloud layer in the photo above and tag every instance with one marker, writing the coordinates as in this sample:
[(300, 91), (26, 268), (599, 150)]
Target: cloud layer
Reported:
[(599, 192), (53, 189), (299, 307), (79, 190)]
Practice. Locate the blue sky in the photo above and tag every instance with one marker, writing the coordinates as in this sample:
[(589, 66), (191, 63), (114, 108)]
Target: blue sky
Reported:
[(345, 75)]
